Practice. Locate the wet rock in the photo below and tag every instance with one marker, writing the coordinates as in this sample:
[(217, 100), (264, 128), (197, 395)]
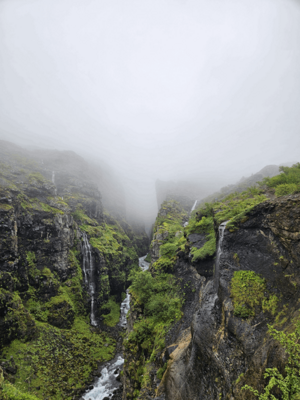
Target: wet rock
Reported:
[(223, 346)]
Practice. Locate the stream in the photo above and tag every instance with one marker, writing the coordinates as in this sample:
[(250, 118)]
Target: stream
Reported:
[(108, 383), (219, 251)]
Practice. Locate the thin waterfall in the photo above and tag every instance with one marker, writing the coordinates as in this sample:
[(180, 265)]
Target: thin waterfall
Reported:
[(219, 251), (53, 181), (88, 272), (193, 208)]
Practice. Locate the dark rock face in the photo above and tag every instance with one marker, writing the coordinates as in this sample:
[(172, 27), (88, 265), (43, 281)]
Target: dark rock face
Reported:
[(223, 346), (204, 267)]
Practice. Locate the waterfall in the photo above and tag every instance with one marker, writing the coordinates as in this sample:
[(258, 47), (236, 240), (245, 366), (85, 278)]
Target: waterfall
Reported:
[(144, 265), (219, 251), (53, 181), (88, 272), (107, 384), (192, 209), (194, 206), (125, 306)]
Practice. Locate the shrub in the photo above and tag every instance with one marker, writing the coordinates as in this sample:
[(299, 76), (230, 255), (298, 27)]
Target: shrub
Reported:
[(288, 384), (286, 188), (9, 392), (113, 315), (247, 291)]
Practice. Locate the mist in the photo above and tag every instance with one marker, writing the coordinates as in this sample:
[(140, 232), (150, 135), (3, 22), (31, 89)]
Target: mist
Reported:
[(202, 91)]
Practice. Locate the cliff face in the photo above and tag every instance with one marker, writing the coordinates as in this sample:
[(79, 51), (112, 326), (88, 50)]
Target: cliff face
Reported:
[(224, 351), (64, 262), (229, 297)]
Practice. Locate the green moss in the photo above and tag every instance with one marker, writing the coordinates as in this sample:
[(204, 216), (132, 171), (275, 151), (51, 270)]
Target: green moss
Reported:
[(148, 258), (248, 292), (207, 250), (73, 286), (10, 392), (81, 217), (31, 260), (205, 226), (113, 308), (239, 378), (236, 206), (5, 207), (270, 304), (161, 371), (20, 322), (59, 362), (36, 177)]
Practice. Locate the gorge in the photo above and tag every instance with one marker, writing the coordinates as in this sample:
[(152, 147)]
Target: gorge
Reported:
[(85, 314)]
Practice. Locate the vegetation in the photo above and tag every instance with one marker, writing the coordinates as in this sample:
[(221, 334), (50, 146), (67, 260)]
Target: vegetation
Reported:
[(117, 250), (287, 182), (159, 301), (248, 293), (148, 258), (168, 225), (111, 312), (10, 392), (58, 362), (45, 327), (283, 386)]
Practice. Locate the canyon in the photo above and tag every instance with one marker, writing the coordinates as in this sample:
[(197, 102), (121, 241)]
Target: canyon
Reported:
[(84, 313)]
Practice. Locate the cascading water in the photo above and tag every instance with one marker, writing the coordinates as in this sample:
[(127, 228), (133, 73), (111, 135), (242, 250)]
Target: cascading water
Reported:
[(125, 305), (194, 206), (53, 181), (219, 251), (144, 265), (88, 271), (192, 209), (107, 384)]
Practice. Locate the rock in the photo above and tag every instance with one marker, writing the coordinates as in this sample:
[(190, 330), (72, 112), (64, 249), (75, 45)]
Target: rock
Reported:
[(222, 346)]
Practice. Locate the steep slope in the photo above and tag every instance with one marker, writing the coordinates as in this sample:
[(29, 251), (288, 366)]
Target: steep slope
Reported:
[(64, 263), (233, 280)]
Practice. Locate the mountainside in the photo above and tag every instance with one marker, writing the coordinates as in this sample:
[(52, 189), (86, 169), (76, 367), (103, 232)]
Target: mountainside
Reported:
[(64, 267), (230, 279), (217, 309)]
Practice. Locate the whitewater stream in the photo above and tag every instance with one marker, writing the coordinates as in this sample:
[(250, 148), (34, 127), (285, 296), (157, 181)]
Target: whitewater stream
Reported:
[(107, 384), (219, 251), (88, 271), (192, 209)]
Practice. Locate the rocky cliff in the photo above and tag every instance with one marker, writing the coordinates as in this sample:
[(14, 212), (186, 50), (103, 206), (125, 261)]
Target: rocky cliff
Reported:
[(226, 348), (64, 263), (231, 285)]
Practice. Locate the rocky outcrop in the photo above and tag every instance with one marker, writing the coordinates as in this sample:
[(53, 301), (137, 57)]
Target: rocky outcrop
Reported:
[(223, 351)]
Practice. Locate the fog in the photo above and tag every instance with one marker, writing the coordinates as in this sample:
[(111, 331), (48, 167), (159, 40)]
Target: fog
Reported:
[(199, 90)]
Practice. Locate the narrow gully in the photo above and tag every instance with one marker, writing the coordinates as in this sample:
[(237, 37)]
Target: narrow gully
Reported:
[(108, 383)]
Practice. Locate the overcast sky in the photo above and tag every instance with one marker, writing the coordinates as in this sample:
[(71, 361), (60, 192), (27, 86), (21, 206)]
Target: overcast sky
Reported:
[(157, 88)]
